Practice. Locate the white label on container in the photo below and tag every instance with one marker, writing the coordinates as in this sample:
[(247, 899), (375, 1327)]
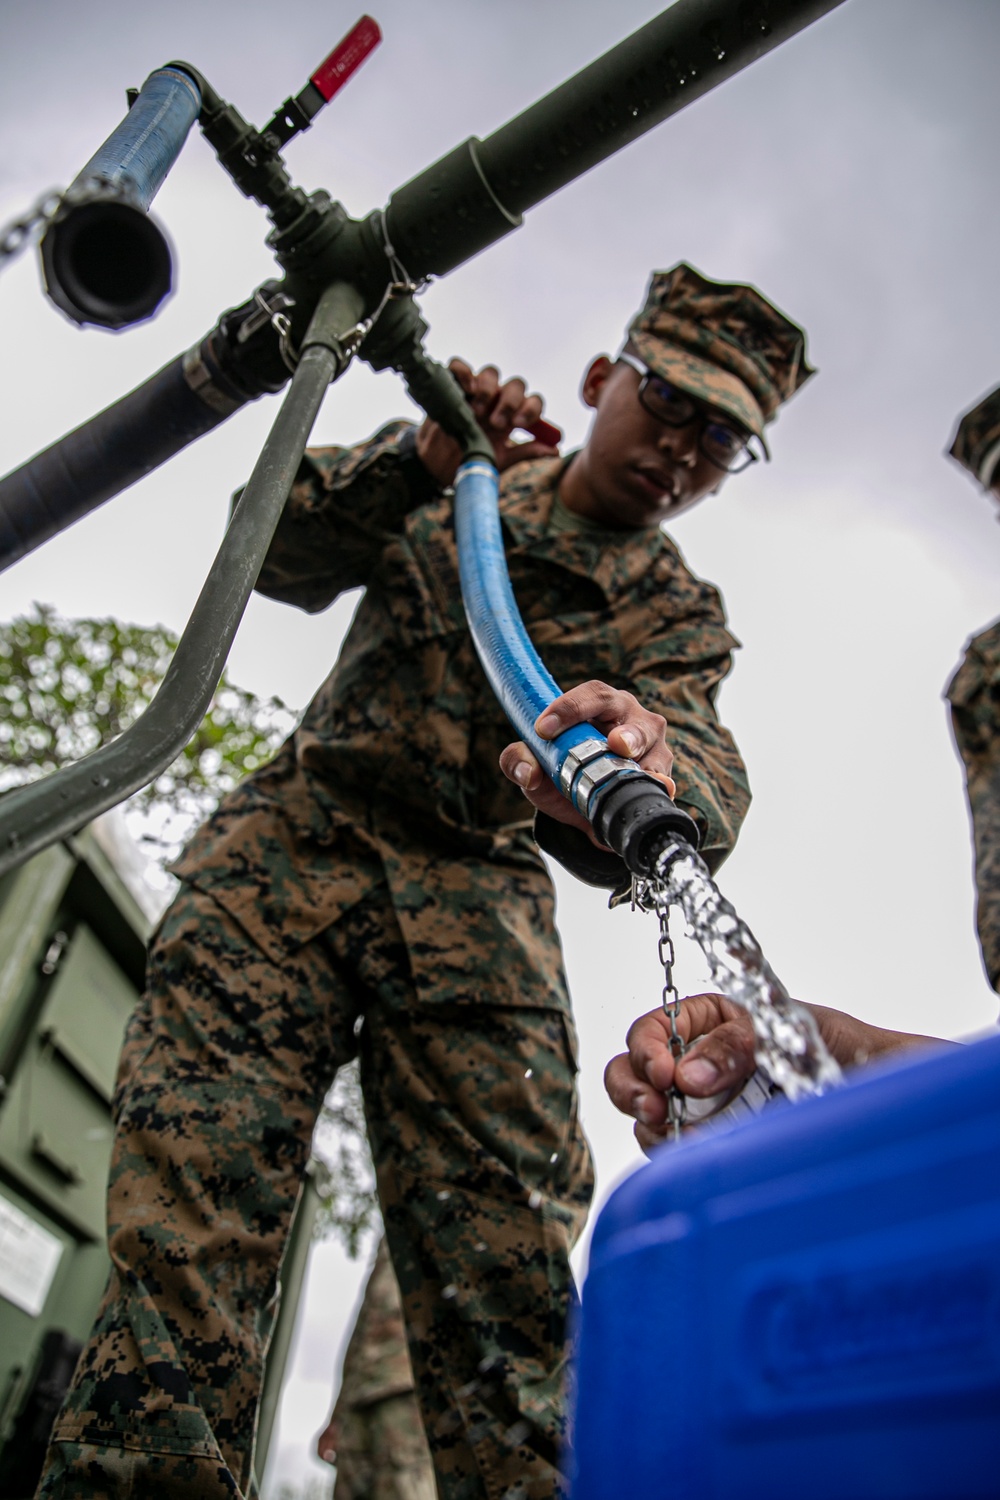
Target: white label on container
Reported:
[(29, 1256)]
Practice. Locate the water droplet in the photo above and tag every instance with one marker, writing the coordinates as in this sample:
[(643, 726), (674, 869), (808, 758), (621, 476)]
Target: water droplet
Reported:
[(529, 1072), (534, 1199), (553, 1158), (480, 1246), (449, 1292), (443, 1195)]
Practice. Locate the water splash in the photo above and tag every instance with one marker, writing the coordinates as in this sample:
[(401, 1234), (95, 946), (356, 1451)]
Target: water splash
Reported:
[(790, 1051)]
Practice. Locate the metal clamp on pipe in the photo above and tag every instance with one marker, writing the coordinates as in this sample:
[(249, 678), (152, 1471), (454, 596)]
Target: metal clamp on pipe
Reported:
[(104, 260)]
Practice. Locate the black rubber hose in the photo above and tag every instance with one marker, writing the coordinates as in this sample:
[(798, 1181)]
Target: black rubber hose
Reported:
[(99, 459), (133, 436)]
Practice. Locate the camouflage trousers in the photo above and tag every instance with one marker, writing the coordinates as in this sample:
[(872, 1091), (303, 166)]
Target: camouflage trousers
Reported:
[(483, 1173)]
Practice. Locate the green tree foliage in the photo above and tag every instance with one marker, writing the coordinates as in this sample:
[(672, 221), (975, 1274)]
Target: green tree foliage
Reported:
[(344, 1177), (67, 687)]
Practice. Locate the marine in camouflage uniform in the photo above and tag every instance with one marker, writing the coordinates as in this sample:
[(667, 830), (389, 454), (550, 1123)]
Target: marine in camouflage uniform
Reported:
[(376, 891), (376, 1433), (974, 694)]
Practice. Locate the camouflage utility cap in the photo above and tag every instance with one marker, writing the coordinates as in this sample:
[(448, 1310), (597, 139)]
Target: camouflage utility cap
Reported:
[(721, 342), (976, 444)]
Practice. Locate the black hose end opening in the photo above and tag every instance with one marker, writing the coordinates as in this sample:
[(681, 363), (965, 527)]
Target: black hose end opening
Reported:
[(635, 817), (106, 263)]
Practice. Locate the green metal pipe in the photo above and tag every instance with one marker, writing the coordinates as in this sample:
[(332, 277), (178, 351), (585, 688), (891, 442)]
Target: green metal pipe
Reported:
[(35, 815), (451, 211), (478, 193), (454, 209)]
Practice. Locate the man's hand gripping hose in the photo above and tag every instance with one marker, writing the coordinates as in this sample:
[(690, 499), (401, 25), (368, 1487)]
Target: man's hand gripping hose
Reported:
[(631, 812)]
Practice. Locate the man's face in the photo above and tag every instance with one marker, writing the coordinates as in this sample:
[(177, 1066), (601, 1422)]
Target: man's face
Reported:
[(637, 471)]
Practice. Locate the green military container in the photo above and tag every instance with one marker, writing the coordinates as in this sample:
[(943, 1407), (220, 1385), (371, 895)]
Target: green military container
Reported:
[(72, 956)]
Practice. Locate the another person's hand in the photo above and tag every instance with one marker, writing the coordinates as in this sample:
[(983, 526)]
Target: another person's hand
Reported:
[(721, 1057), (326, 1443), (500, 407), (631, 730)]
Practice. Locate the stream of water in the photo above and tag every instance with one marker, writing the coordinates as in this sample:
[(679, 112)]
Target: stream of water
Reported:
[(790, 1051)]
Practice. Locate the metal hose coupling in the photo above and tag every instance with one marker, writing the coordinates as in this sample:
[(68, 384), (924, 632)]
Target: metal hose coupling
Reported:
[(630, 812)]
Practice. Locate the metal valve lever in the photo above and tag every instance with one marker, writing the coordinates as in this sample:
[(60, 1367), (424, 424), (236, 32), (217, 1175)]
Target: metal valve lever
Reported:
[(298, 113)]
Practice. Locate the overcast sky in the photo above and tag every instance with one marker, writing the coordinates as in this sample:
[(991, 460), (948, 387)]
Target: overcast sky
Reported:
[(848, 175)]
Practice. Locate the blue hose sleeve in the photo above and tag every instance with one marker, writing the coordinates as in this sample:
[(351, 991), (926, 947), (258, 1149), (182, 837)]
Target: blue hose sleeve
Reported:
[(139, 153), (510, 661)]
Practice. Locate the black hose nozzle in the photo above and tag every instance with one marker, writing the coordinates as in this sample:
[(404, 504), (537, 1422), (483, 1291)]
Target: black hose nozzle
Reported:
[(104, 260), (635, 816)]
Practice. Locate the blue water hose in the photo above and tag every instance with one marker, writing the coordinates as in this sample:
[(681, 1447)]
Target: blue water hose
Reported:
[(103, 259), (509, 659), (631, 819), (139, 152)]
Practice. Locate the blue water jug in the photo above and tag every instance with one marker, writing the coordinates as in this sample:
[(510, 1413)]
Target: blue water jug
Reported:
[(806, 1307)]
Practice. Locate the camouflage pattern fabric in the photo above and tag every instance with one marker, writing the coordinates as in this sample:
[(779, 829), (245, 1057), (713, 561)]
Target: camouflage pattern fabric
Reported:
[(382, 1451), (484, 1178), (376, 1361), (721, 342), (974, 694), (976, 444), (381, 867)]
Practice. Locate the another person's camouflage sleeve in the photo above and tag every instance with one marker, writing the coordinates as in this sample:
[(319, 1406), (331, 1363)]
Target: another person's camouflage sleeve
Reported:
[(974, 693), (343, 505)]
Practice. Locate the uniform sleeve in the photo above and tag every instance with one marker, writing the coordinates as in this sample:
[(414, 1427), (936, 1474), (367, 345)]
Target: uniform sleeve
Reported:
[(344, 505), (677, 671), (974, 694)]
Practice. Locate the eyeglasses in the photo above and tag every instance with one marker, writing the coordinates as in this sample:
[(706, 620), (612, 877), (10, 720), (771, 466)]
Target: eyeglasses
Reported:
[(724, 446)]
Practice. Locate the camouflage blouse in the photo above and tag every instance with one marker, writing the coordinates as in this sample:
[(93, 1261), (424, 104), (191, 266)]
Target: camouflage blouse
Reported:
[(974, 694), (393, 776)]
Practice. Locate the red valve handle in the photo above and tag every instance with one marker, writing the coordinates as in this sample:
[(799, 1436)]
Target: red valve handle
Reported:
[(348, 55), (546, 432)]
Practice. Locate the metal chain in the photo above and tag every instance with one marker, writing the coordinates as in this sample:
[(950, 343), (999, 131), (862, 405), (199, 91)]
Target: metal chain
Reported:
[(16, 235), (676, 1101), (650, 895)]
